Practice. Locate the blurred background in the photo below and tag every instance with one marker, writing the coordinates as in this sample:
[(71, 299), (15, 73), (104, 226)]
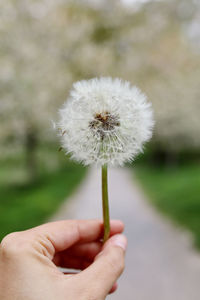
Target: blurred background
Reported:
[(46, 45)]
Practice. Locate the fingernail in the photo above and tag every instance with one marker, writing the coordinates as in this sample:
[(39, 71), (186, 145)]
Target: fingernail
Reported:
[(119, 240)]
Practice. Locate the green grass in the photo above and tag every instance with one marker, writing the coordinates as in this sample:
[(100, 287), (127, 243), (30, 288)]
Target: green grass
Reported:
[(175, 192), (24, 204)]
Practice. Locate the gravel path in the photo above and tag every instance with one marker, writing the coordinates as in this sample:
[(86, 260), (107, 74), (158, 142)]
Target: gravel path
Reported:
[(160, 263)]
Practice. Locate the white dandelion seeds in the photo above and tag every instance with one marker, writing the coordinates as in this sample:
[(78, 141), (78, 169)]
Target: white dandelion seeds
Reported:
[(105, 121)]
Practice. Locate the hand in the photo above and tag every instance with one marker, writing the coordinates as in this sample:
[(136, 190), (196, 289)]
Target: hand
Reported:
[(29, 260)]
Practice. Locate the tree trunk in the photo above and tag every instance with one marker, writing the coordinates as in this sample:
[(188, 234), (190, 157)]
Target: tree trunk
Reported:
[(168, 159), (31, 144)]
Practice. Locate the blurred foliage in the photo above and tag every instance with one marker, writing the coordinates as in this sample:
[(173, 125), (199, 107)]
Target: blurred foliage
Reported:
[(26, 203), (102, 34), (46, 45)]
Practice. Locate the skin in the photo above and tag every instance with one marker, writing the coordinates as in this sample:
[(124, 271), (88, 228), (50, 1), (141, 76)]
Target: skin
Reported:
[(29, 260)]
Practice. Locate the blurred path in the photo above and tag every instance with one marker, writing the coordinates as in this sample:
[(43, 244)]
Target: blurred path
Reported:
[(160, 263)]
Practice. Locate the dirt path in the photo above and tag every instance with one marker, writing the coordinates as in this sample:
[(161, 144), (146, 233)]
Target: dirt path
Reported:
[(160, 263)]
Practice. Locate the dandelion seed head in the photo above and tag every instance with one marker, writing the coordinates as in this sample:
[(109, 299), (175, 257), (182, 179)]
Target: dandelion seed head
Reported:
[(105, 121)]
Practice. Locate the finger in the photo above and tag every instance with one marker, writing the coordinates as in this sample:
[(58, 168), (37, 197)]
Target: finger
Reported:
[(100, 276), (91, 249), (114, 288), (58, 236), (75, 263), (86, 251), (81, 252)]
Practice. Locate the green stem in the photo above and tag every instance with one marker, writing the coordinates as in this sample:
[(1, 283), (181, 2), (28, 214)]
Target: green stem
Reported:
[(105, 204)]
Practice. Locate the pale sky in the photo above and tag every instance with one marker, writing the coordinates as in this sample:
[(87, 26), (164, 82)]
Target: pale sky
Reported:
[(126, 2), (134, 1)]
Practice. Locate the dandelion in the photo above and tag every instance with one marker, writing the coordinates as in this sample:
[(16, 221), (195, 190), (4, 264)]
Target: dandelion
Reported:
[(106, 122)]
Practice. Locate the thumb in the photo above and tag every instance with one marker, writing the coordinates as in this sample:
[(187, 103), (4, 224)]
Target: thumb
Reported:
[(99, 277)]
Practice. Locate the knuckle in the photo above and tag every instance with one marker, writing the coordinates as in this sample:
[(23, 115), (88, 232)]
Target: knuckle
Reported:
[(43, 244), (9, 241), (12, 244)]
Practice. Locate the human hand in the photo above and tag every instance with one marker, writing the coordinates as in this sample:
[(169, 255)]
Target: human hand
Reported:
[(28, 261)]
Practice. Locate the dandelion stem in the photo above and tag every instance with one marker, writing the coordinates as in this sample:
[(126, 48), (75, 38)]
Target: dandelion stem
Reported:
[(105, 204)]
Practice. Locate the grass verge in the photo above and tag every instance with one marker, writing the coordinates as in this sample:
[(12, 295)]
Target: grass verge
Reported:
[(175, 192), (24, 204)]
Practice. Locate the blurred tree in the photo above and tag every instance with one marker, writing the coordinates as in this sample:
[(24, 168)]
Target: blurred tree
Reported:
[(46, 45), (38, 53), (152, 48)]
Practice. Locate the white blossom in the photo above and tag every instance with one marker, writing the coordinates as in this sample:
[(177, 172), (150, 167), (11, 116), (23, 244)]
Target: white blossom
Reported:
[(105, 121)]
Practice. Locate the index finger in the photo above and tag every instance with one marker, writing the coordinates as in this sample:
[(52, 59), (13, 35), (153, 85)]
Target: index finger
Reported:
[(64, 234)]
